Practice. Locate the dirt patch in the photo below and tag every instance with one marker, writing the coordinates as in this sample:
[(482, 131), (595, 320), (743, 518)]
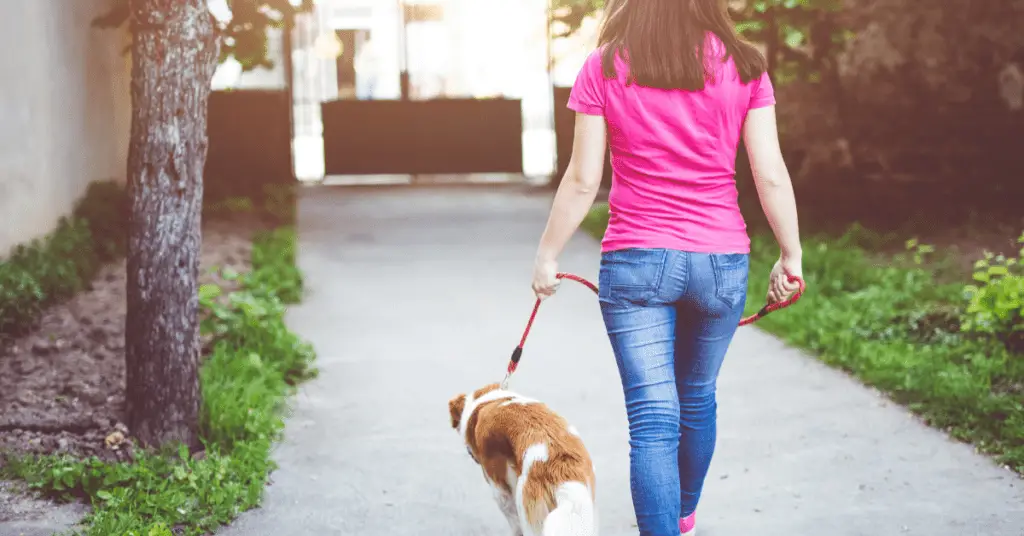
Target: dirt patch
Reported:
[(62, 387)]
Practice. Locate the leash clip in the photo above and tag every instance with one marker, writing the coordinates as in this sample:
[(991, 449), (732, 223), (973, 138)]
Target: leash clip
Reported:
[(513, 363)]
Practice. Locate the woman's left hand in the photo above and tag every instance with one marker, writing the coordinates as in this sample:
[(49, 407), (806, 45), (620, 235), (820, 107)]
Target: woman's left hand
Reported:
[(545, 280)]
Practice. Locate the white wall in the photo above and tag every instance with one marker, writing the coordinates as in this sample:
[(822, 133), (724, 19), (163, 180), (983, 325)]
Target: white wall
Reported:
[(65, 111)]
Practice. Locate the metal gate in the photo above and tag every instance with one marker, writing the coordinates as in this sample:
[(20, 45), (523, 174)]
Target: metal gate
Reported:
[(450, 136), (395, 88)]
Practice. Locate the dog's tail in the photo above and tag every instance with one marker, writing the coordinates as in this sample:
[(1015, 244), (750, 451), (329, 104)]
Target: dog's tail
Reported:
[(574, 514)]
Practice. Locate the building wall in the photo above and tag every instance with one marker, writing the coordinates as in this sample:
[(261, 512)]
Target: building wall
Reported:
[(65, 111)]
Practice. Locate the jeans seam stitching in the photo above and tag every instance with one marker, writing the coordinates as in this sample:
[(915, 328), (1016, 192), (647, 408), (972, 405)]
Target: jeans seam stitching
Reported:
[(660, 277)]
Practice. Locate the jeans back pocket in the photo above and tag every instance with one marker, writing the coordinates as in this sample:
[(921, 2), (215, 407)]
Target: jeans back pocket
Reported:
[(632, 275), (731, 273)]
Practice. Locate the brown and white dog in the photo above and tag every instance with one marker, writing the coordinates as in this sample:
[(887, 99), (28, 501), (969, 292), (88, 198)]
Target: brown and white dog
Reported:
[(541, 473)]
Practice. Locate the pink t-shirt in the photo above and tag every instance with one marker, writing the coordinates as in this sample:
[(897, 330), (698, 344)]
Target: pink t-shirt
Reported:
[(673, 155)]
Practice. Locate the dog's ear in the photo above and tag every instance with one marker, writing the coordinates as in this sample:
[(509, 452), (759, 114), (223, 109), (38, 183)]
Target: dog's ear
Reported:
[(455, 407)]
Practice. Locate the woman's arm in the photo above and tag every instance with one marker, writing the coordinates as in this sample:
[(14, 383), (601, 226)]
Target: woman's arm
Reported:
[(775, 189), (771, 176), (575, 196)]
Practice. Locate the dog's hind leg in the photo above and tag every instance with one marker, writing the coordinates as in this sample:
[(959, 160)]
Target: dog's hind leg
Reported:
[(575, 513), (507, 504)]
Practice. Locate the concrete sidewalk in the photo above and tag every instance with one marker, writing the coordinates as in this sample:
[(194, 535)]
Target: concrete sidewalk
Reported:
[(417, 294)]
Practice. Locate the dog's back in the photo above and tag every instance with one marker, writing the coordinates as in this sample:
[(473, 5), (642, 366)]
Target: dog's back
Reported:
[(557, 476), (532, 454)]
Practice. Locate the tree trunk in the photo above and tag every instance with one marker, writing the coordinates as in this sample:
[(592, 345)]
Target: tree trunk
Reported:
[(174, 54)]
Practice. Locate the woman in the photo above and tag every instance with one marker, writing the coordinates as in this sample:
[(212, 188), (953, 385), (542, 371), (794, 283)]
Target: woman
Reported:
[(670, 89)]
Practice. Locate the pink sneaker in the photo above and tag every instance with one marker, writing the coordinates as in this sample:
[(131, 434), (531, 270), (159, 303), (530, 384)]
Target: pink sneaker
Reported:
[(688, 525)]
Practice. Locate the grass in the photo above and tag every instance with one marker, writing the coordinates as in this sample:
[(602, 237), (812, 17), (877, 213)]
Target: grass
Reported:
[(251, 368), (895, 325)]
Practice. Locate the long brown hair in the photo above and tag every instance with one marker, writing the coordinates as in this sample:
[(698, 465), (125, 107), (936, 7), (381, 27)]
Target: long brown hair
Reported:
[(664, 42)]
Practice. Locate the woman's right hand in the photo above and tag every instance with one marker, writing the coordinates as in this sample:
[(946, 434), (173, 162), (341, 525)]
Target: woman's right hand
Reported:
[(775, 190), (780, 288)]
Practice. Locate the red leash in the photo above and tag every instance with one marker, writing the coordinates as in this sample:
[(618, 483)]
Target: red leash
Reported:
[(517, 354)]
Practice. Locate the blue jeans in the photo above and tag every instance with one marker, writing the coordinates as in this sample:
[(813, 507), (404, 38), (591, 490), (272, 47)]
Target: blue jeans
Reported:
[(670, 316)]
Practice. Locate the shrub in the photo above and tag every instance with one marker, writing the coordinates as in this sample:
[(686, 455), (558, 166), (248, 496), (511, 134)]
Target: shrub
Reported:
[(105, 210), (50, 269), (995, 303)]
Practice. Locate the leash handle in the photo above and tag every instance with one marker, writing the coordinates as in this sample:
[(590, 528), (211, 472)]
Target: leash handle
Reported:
[(772, 307), (517, 354)]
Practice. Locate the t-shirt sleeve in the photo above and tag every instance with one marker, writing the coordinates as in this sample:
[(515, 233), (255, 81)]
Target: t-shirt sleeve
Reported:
[(762, 92), (588, 92)]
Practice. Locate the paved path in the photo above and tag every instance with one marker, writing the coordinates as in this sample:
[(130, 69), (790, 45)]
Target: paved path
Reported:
[(417, 294)]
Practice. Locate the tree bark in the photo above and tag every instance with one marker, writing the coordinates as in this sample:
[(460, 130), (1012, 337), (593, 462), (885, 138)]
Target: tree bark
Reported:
[(174, 54)]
